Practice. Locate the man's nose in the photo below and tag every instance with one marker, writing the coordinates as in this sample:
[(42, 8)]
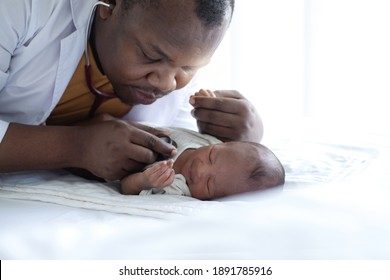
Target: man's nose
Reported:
[(164, 81)]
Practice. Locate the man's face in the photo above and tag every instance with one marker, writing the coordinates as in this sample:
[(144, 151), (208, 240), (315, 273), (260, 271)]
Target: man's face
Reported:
[(147, 53)]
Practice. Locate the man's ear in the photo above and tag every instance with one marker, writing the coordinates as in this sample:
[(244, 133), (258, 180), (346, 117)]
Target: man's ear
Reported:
[(106, 11)]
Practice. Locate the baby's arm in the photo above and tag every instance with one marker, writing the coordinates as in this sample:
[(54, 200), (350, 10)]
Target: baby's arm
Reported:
[(159, 175)]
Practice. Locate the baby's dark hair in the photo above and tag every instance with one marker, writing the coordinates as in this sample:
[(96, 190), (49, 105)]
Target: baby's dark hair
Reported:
[(266, 171), (210, 12)]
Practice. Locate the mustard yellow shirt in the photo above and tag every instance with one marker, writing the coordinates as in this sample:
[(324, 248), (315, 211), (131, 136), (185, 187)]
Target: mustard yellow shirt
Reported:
[(77, 100)]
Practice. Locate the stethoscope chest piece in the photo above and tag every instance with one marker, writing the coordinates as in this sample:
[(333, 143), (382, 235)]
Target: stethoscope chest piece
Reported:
[(169, 140)]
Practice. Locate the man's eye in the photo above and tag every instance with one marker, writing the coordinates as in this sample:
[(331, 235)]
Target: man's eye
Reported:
[(149, 58), (189, 70)]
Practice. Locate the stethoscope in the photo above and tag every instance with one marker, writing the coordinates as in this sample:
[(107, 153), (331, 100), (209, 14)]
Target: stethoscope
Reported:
[(100, 96), (170, 141)]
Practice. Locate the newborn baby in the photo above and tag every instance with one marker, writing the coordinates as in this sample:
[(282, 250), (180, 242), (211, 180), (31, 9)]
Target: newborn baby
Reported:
[(207, 168)]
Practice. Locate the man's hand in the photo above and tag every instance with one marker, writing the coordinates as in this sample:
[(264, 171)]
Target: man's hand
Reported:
[(115, 148), (108, 149), (227, 115)]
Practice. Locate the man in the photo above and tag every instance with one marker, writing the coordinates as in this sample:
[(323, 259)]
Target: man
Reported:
[(138, 52)]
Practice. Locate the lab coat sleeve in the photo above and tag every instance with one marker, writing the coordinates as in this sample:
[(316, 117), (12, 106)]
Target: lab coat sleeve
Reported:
[(14, 19), (3, 129)]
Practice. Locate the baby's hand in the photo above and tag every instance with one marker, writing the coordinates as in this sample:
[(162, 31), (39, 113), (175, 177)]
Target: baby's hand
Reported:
[(160, 175), (203, 93)]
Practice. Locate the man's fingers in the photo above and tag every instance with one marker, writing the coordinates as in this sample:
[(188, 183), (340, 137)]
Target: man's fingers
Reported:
[(131, 166), (222, 104), (149, 129), (221, 132), (139, 153), (144, 139), (229, 94), (160, 146), (218, 118)]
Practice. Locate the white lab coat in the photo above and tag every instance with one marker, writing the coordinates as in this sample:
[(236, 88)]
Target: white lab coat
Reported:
[(41, 44)]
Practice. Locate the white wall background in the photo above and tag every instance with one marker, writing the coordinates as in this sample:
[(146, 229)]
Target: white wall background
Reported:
[(327, 60)]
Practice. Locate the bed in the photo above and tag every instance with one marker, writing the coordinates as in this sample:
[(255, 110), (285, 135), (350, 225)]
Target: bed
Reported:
[(334, 205)]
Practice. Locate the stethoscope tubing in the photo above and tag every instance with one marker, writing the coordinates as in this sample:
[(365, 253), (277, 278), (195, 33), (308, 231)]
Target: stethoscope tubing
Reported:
[(100, 96)]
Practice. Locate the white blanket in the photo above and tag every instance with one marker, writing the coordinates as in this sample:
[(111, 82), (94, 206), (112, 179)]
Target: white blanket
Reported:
[(306, 164), (311, 219), (65, 189)]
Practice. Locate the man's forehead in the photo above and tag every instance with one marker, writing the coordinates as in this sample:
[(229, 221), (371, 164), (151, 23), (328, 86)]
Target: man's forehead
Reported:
[(167, 33), (211, 13)]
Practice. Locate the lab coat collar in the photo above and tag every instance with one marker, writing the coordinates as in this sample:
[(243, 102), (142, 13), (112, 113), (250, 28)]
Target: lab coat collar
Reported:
[(72, 48), (79, 15)]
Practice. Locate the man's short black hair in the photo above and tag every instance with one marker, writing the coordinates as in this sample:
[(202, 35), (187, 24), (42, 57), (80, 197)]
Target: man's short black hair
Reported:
[(210, 12)]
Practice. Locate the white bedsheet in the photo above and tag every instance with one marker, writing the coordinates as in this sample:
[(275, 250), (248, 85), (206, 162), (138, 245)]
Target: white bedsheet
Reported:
[(69, 190), (334, 205)]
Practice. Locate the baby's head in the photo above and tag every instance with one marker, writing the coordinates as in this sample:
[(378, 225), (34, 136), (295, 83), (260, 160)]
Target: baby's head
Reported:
[(230, 168)]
